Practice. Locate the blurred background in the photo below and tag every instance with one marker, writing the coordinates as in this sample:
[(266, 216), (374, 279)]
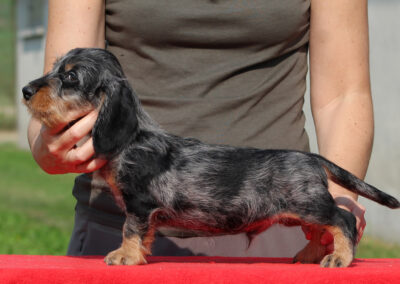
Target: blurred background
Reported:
[(36, 209)]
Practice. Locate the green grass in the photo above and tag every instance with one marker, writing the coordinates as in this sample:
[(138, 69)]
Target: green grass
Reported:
[(22, 234), (36, 210), (373, 248)]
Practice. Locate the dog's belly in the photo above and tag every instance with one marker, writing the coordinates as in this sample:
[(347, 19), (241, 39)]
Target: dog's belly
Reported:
[(184, 232), (184, 227)]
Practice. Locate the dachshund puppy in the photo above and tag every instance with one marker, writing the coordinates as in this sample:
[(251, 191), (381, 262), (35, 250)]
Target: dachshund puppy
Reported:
[(165, 182)]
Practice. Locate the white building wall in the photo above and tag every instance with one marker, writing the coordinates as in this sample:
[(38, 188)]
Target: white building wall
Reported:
[(31, 23)]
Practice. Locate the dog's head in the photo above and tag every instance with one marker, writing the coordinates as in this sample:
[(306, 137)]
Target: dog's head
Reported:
[(86, 79)]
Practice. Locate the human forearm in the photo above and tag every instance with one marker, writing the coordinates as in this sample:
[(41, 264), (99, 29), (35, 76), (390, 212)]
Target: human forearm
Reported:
[(71, 24), (345, 132), (340, 83)]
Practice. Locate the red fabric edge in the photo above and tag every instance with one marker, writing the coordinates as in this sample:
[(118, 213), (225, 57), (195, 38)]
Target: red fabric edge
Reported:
[(64, 269)]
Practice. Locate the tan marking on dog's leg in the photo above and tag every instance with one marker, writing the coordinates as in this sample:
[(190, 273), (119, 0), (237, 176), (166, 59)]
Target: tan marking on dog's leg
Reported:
[(109, 176), (313, 252), (131, 252), (148, 240), (343, 252)]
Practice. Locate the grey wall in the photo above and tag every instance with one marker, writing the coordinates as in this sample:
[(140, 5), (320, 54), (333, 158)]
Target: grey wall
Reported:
[(384, 169), (31, 23)]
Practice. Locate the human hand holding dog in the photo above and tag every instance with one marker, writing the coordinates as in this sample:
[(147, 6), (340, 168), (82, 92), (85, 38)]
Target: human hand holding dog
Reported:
[(349, 203), (55, 149)]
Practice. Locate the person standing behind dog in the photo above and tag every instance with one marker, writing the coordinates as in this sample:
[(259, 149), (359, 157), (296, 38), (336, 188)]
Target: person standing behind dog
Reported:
[(227, 72)]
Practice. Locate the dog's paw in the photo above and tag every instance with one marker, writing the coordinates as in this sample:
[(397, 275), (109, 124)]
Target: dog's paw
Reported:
[(123, 257), (336, 260)]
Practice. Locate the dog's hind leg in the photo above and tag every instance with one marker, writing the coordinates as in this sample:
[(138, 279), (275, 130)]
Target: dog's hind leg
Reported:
[(344, 234), (342, 226), (326, 216)]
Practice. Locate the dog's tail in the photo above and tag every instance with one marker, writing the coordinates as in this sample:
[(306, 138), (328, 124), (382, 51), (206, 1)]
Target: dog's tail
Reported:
[(356, 185)]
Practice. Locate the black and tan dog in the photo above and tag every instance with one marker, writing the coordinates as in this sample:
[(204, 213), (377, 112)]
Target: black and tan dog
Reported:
[(164, 181)]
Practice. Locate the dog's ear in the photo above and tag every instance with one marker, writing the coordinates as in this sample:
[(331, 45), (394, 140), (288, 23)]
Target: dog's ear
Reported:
[(117, 122)]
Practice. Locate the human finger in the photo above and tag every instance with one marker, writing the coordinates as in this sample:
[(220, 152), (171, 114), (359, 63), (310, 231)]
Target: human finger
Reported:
[(77, 131), (90, 166), (70, 116), (357, 209), (359, 212), (81, 154)]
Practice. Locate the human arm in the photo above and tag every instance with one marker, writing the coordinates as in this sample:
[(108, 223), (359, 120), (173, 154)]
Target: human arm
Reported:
[(340, 91), (70, 24)]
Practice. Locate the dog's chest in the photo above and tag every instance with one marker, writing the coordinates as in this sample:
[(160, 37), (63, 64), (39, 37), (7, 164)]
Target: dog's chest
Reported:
[(108, 174)]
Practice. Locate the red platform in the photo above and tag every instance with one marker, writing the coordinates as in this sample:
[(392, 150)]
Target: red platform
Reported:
[(64, 269)]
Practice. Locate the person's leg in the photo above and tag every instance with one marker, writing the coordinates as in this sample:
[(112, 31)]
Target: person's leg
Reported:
[(277, 241), (91, 237)]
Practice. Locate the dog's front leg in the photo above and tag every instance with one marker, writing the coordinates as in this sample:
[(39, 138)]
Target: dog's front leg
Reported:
[(132, 250)]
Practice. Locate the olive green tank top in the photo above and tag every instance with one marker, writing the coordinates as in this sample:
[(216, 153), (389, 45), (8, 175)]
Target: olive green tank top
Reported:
[(223, 71)]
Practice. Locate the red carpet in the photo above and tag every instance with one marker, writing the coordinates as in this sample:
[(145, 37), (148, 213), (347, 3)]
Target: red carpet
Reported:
[(63, 269)]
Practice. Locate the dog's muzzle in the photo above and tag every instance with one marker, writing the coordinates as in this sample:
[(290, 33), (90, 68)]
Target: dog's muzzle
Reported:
[(28, 92)]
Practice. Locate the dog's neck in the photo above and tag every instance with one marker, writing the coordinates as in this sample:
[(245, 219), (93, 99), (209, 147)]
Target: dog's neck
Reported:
[(145, 122)]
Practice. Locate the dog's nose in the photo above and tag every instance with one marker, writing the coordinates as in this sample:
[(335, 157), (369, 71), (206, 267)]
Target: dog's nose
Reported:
[(28, 92)]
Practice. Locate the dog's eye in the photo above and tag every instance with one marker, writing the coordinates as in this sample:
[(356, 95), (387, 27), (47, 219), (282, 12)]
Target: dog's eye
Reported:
[(71, 77)]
